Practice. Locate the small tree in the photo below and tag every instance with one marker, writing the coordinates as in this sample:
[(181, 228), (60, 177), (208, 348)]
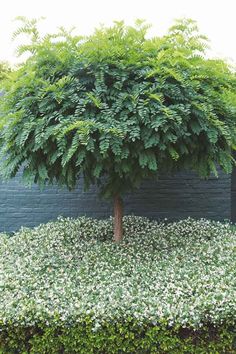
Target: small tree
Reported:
[(117, 108)]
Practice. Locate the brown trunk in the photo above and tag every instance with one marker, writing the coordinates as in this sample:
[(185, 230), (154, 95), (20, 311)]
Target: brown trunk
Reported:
[(118, 215)]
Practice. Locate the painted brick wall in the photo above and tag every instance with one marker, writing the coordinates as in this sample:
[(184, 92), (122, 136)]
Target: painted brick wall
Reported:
[(171, 197), (233, 196)]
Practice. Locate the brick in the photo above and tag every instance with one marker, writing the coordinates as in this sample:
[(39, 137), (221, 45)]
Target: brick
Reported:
[(172, 197)]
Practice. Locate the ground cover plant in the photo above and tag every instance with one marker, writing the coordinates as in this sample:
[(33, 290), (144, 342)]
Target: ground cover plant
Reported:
[(116, 108), (166, 288)]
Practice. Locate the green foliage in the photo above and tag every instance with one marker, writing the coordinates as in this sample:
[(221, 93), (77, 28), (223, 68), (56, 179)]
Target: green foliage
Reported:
[(4, 70), (116, 107), (117, 338), (65, 288), (183, 272)]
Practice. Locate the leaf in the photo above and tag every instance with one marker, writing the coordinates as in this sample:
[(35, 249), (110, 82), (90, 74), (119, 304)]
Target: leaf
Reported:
[(173, 153), (94, 99)]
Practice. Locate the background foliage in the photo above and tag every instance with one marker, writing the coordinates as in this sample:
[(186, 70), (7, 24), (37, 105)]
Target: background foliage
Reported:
[(4, 70)]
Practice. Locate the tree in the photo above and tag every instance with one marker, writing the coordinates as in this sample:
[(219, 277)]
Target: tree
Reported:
[(116, 108)]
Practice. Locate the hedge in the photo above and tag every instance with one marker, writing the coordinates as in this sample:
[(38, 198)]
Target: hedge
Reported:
[(127, 337), (65, 287)]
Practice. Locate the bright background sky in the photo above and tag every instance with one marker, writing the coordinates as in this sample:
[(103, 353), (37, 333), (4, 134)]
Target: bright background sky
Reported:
[(216, 18)]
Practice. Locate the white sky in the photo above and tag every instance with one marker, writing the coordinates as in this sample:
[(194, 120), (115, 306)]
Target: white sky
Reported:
[(216, 18)]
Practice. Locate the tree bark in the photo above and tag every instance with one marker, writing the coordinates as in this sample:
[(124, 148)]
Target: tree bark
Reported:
[(118, 219)]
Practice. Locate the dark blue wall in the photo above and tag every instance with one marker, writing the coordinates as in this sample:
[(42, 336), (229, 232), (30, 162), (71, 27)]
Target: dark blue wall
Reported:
[(171, 197), (233, 196)]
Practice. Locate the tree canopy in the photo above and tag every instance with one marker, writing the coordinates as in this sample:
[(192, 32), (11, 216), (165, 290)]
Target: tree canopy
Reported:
[(117, 107)]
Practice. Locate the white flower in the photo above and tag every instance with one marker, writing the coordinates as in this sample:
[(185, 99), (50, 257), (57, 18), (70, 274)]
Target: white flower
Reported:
[(183, 272)]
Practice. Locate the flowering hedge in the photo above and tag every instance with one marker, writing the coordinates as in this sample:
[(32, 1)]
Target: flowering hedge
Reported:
[(167, 288)]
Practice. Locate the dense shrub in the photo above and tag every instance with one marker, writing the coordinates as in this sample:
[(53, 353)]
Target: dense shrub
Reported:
[(167, 288)]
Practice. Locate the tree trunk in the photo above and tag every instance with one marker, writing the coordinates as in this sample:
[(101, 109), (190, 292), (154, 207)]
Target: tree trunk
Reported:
[(118, 216)]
